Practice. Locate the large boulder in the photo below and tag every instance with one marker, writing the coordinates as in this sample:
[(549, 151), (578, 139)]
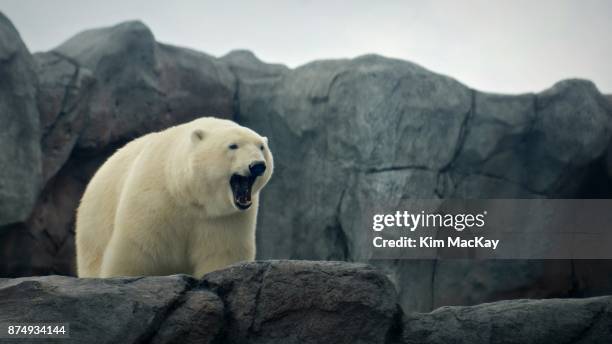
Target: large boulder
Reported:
[(143, 86), (110, 311), (20, 156), (305, 302)]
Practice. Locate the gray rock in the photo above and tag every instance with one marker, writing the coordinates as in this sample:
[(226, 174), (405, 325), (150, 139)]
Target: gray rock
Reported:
[(516, 321), (333, 123), (304, 302), (250, 68), (261, 302), (536, 142), (352, 134), (197, 318), (62, 90), (126, 310), (131, 310), (143, 86), (20, 157), (286, 302)]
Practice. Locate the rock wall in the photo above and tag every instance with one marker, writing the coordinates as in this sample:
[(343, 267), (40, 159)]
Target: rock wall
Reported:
[(345, 133), (287, 302), (20, 153), (352, 133)]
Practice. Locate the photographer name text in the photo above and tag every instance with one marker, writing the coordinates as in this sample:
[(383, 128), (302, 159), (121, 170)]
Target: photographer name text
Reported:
[(411, 222)]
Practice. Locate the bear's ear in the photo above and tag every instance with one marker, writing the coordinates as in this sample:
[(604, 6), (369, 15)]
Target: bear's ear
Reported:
[(197, 135), (265, 140)]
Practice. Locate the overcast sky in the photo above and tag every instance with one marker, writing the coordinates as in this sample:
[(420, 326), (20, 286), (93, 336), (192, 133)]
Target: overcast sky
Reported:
[(508, 46)]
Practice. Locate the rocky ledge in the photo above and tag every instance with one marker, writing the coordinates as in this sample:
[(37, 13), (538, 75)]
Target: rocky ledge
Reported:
[(287, 302)]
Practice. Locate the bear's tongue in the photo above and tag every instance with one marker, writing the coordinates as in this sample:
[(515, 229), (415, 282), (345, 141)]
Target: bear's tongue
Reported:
[(241, 189)]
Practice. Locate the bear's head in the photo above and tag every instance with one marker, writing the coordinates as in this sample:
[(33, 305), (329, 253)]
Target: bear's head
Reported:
[(230, 164)]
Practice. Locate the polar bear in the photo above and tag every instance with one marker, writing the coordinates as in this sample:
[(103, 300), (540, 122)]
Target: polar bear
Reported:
[(183, 200)]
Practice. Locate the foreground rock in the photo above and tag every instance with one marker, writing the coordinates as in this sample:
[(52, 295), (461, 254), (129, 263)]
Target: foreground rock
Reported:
[(262, 302), (346, 134), (120, 310), (286, 302), (305, 302), (516, 321)]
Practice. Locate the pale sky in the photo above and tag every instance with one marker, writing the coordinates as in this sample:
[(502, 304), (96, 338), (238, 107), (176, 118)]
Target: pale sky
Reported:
[(507, 46)]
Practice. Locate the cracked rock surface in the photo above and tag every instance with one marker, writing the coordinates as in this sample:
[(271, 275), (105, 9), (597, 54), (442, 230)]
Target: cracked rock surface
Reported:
[(346, 134), (286, 302)]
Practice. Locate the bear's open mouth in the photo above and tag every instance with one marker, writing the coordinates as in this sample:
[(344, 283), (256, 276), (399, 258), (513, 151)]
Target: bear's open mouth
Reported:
[(241, 189)]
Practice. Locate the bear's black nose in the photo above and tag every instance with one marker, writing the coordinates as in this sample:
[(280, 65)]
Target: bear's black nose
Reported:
[(257, 168)]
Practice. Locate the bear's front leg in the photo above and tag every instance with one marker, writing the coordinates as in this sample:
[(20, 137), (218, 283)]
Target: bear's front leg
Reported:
[(124, 257), (217, 243)]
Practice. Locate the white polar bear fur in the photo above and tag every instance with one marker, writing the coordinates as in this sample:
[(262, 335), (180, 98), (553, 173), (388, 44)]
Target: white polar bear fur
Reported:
[(163, 205)]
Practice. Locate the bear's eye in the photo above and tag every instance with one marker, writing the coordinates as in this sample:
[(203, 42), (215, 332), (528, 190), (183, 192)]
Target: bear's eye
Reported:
[(233, 146), (261, 147)]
